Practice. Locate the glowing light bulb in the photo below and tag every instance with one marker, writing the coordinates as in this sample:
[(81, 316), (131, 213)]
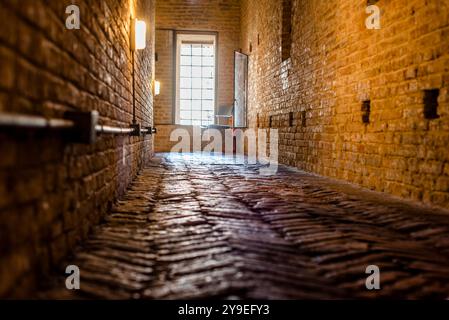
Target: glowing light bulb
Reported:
[(140, 35), (157, 88)]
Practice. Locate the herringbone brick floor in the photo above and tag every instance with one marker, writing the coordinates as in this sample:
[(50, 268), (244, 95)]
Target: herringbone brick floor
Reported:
[(198, 227)]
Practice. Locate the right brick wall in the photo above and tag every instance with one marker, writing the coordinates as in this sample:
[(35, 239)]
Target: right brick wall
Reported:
[(336, 65)]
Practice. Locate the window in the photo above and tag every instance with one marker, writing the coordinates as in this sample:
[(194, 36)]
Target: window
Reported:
[(286, 28), (195, 94), (366, 111), (431, 103)]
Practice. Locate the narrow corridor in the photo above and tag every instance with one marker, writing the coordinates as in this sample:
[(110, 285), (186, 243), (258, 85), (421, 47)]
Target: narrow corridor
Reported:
[(193, 226), (104, 104)]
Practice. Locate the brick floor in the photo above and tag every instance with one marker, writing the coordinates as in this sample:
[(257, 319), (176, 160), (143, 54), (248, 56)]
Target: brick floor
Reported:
[(199, 227)]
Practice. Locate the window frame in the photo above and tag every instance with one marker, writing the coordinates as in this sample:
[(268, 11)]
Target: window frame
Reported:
[(192, 36)]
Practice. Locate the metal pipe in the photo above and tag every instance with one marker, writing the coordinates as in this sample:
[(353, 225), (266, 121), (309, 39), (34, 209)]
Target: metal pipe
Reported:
[(11, 120), (113, 130), (33, 122)]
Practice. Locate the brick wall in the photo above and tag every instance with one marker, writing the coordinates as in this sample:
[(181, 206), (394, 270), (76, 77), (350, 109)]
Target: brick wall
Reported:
[(164, 73), (336, 64), (222, 16), (52, 192)]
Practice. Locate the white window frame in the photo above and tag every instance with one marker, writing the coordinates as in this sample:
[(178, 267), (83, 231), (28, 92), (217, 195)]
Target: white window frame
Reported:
[(194, 37)]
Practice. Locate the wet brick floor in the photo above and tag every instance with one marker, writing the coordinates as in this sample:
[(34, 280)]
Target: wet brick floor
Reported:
[(193, 227)]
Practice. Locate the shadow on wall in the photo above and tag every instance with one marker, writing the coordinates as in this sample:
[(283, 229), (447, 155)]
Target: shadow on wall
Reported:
[(52, 192)]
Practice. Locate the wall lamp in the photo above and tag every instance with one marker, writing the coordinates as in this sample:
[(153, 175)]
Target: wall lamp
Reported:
[(138, 35), (157, 88), (138, 41)]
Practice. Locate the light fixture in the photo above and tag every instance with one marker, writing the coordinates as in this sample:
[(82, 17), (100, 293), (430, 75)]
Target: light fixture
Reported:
[(138, 35), (141, 35), (157, 88)]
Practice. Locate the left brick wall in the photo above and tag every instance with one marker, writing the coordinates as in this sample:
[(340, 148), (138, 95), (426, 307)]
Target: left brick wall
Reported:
[(53, 192)]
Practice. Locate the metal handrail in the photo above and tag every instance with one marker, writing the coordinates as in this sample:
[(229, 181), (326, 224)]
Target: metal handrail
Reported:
[(33, 122), (81, 123), (113, 130)]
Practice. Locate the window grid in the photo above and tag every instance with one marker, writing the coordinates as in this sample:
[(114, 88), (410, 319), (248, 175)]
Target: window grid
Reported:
[(197, 84)]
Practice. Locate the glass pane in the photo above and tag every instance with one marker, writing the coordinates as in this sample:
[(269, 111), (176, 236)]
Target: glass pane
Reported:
[(196, 72), (186, 72), (208, 105), (196, 83), (208, 84), (196, 94), (186, 94), (196, 50), (186, 104), (208, 50), (186, 83), (208, 61), (186, 115), (196, 104), (196, 122), (186, 49), (208, 72), (196, 61), (208, 94), (207, 115), (186, 122), (196, 115), (186, 60)]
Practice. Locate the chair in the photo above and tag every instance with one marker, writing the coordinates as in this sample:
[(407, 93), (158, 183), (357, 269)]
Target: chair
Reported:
[(225, 116)]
